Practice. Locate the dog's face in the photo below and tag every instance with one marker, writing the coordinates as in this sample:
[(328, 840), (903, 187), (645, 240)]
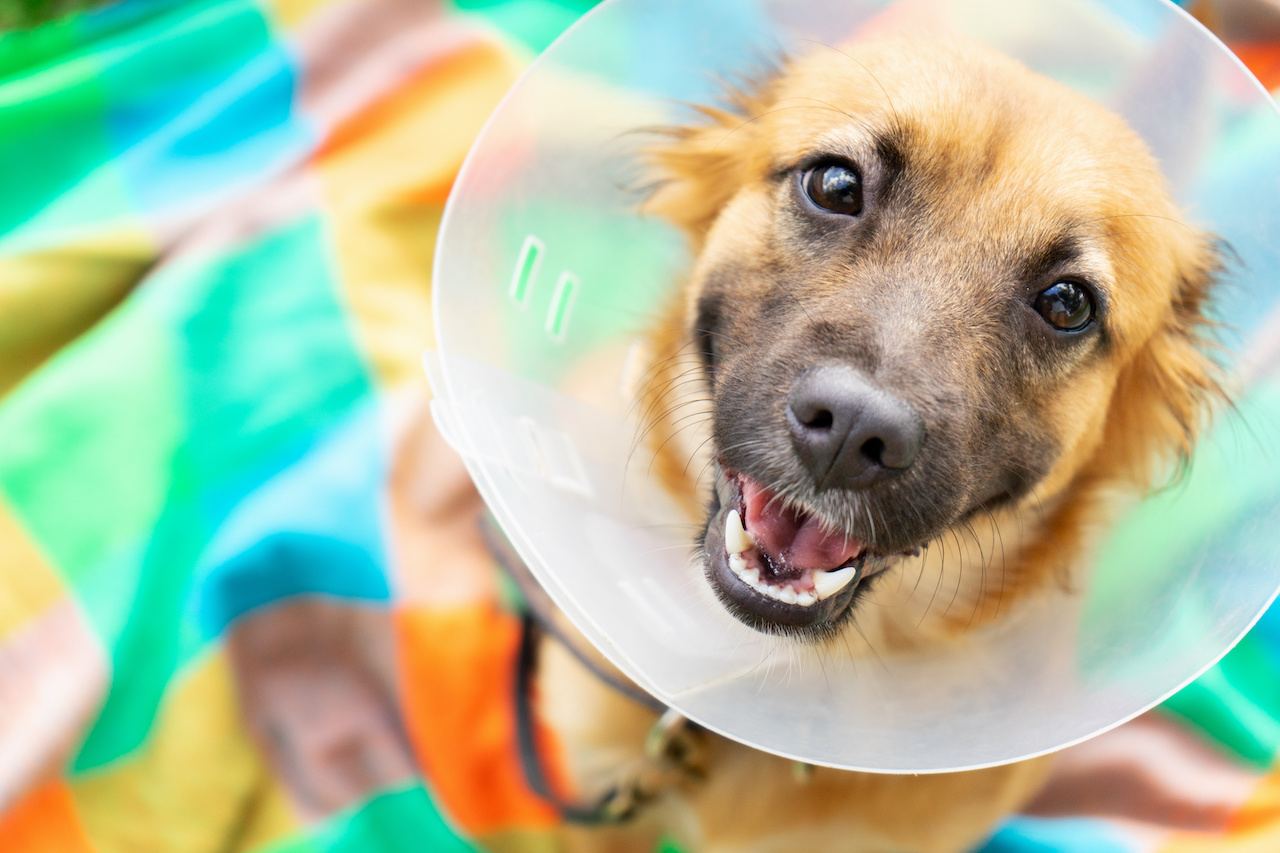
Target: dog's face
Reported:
[(931, 288)]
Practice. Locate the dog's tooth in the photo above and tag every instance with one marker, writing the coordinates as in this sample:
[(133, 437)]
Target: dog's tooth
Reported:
[(827, 584), (738, 563), (807, 599), (736, 537), (789, 595), (752, 576)]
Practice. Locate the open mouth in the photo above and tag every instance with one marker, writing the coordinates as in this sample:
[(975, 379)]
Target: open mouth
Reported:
[(777, 567)]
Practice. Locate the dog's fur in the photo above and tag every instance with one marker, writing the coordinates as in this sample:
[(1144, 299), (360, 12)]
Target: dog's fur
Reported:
[(983, 185)]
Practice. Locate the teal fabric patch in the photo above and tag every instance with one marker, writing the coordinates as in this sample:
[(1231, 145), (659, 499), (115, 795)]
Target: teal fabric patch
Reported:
[(1066, 835), (533, 23), (127, 454), (403, 821)]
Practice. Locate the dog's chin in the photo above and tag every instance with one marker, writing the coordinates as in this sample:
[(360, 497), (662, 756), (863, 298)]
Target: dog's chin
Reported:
[(782, 570)]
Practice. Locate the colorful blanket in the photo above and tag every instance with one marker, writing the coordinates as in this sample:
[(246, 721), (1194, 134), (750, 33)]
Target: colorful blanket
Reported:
[(232, 549)]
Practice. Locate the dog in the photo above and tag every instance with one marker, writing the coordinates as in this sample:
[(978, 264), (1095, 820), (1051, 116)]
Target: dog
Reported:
[(938, 303)]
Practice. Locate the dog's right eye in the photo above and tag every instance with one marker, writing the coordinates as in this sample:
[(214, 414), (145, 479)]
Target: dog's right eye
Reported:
[(836, 187), (1067, 306)]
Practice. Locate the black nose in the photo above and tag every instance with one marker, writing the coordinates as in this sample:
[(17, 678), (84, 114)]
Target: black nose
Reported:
[(847, 432)]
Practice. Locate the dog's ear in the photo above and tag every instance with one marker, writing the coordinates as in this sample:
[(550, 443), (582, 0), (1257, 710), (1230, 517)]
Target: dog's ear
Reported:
[(698, 167), (1164, 396)]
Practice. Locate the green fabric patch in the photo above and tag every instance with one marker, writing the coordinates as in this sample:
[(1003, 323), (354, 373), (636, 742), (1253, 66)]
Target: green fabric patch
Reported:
[(597, 282), (30, 13), (100, 202), (1225, 704), (1232, 484), (394, 821), (52, 133), (534, 23), (1218, 489), (124, 454), (88, 443), (79, 94), (21, 47), (197, 41)]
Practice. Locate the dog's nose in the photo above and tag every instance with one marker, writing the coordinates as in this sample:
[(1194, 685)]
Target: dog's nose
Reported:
[(847, 432)]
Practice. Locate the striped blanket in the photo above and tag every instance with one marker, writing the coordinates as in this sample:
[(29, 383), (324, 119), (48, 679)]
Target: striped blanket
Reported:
[(242, 602)]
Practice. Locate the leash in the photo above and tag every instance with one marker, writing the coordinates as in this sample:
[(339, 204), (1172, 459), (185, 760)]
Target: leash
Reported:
[(673, 749)]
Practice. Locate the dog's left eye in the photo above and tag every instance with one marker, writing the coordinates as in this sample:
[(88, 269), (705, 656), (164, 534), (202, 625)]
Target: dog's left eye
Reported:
[(1066, 305), (835, 187)]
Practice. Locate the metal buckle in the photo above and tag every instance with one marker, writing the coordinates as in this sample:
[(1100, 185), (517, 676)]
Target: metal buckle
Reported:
[(675, 743)]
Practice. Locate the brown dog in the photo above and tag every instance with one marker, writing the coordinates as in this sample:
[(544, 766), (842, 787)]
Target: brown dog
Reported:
[(939, 303)]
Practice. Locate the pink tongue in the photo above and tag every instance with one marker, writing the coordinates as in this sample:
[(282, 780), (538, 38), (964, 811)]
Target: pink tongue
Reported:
[(792, 540)]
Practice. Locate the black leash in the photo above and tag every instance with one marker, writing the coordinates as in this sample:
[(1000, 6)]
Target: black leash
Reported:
[(672, 748), (618, 804), (537, 603)]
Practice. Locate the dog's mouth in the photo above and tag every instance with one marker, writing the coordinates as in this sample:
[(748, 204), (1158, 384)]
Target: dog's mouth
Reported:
[(778, 568)]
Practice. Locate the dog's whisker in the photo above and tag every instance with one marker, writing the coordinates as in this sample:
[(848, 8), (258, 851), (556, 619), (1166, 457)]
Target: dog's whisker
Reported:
[(675, 434), (870, 521), (892, 107), (719, 334), (1171, 220), (764, 115), (664, 422)]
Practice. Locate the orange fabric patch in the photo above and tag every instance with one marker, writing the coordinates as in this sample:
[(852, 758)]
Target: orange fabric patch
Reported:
[(1255, 828), (407, 145), (44, 821), (457, 668), (1262, 809), (1263, 59)]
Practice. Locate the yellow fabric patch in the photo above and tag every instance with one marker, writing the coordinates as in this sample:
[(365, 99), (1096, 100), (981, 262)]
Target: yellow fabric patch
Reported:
[(269, 819), (521, 841), (197, 782), (1259, 840), (29, 585), (386, 174), (48, 298), (291, 13)]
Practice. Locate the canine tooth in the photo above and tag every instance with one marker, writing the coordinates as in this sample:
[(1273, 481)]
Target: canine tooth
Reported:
[(736, 537), (789, 596), (807, 599), (827, 584)]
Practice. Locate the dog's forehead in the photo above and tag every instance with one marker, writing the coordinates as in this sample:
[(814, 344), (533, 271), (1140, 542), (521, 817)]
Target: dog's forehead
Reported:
[(967, 114), (987, 147)]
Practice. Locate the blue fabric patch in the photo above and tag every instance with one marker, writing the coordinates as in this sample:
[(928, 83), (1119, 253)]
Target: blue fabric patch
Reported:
[(1057, 835), (231, 137), (316, 528)]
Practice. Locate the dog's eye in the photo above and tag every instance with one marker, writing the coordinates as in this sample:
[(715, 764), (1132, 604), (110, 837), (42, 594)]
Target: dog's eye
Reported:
[(835, 187), (1066, 305)]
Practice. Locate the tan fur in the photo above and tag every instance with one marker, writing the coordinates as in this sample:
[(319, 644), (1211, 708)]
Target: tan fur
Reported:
[(1145, 406), (1122, 422)]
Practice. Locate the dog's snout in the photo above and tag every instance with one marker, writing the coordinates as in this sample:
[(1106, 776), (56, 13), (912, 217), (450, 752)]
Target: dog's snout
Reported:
[(847, 432)]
